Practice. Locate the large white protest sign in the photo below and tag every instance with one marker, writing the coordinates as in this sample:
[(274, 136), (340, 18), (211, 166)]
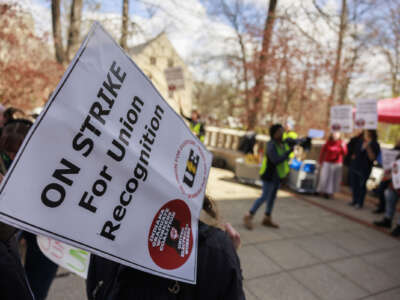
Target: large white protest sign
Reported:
[(110, 168), (388, 158), (366, 114), (70, 258), (396, 174), (342, 118)]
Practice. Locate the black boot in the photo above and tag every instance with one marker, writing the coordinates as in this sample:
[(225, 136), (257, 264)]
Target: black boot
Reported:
[(396, 231), (385, 223), (378, 211)]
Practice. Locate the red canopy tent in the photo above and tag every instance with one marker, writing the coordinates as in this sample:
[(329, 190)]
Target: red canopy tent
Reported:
[(389, 110)]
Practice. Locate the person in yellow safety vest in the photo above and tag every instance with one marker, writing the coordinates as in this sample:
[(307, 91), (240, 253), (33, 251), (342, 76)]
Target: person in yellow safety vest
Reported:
[(289, 131), (290, 134), (274, 168), (196, 126)]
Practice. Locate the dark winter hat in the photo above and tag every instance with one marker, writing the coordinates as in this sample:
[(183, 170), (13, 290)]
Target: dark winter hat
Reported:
[(273, 129)]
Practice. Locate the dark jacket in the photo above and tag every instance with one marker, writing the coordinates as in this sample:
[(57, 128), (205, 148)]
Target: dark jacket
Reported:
[(361, 165), (13, 283), (218, 275), (351, 149)]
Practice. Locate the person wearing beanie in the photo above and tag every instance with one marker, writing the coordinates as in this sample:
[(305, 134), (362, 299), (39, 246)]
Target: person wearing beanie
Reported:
[(274, 168)]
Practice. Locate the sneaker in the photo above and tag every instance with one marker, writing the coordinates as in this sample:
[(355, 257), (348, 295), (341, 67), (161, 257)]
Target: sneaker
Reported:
[(247, 220), (267, 221), (396, 231), (351, 204), (385, 223), (358, 206)]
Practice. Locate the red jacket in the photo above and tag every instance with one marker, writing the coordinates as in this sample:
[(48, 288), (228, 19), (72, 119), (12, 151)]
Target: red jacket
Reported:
[(333, 152)]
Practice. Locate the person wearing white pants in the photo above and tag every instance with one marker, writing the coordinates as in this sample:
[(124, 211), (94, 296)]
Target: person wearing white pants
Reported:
[(331, 160)]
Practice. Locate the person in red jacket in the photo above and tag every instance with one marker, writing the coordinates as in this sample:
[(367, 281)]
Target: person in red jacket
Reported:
[(331, 160)]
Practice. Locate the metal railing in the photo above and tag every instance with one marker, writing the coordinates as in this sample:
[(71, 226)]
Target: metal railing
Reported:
[(228, 139)]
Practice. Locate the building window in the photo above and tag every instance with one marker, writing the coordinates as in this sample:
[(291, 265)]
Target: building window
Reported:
[(170, 63), (153, 60)]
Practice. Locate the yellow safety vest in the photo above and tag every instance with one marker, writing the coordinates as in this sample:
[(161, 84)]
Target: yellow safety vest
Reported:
[(290, 135), (282, 168), (195, 128)]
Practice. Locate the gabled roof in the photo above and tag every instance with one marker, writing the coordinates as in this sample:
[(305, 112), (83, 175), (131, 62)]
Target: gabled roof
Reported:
[(139, 48)]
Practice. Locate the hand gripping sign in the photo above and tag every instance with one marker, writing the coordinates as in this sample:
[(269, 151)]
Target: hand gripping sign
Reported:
[(110, 168)]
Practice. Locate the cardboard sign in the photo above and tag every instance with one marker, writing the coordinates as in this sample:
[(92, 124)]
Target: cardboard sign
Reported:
[(175, 78), (396, 174), (366, 114), (110, 168), (70, 258), (388, 158), (316, 133), (342, 118)]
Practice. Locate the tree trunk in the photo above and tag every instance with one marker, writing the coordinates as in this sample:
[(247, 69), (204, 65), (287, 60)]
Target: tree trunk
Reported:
[(302, 99), (125, 21), (261, 70), (344, 85), (339, 50), (57, 35), (74, 28)]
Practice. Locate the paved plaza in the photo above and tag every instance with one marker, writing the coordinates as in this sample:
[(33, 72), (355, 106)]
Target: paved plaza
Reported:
[(323, 250)]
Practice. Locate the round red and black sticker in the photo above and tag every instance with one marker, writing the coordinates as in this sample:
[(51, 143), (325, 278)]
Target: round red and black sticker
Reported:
[(336, 127), (360, 122), (170, 237), (395, 169)]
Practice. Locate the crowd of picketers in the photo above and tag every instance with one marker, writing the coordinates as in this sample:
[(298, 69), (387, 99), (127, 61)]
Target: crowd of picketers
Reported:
[(359, 155)]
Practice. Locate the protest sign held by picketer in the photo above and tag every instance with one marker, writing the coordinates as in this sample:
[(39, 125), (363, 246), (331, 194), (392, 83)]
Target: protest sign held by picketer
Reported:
[(73, 259), (341, 118), (110, 168), (366, 114)]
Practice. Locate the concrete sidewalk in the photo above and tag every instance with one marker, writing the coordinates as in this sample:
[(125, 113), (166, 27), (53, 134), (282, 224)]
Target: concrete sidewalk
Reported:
[(316, 254)]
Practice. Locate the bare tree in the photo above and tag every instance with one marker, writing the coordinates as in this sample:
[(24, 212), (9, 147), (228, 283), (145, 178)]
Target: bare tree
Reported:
[(57, 33), (262, 64), (351, 42), (125, 23), (64, 55), (74, 28), (388, 39)]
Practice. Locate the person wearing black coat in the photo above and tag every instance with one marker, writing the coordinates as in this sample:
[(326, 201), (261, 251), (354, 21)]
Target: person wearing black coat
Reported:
[(13, 282), (218, 275)]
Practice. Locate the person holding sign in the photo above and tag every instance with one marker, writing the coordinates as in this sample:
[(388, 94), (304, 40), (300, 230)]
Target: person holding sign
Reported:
[(392, 197), (388, 157), (331, 159), (218, 274), (366, 151), (13, 281), (195, 124), (274, 168)]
